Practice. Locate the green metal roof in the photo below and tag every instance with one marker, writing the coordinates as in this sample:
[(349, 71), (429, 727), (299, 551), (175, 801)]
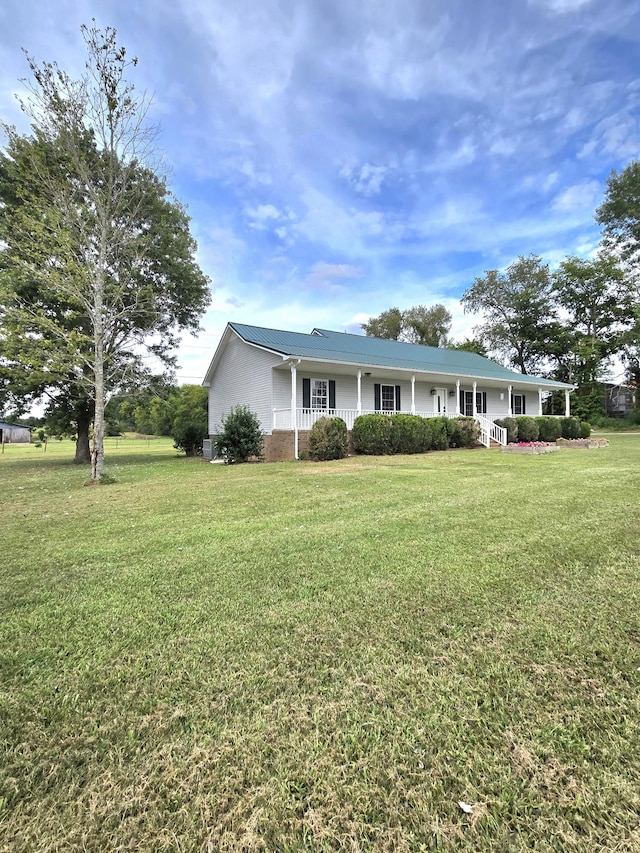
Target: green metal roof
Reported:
[(345, 348)]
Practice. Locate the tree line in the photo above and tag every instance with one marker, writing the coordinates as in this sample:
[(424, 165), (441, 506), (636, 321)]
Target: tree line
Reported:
[(566, 324)]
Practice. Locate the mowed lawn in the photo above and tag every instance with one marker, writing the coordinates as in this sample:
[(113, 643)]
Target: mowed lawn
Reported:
[(322, 657)]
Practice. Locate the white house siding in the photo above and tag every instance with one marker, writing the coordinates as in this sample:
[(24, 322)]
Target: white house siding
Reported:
[(242, 378)]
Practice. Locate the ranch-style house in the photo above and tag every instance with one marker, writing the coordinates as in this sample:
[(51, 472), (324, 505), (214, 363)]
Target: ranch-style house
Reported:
[(290, 379)]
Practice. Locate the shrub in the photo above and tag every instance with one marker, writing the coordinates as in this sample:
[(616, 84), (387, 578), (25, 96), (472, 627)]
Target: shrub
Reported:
[(408, 434), (437, 433), (463, 432), (329, 439), (371, 434), (527, 428), (570, 427), (241, 436), (511, 426), (549, 429), (190, 425), (585, 429)]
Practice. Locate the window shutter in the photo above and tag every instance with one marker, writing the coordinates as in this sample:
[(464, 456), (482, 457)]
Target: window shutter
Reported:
[(511, 407), (484, 402), (376, 397), (397, 398), (461, 402), (332, 393), (306, 393), (524, 409)]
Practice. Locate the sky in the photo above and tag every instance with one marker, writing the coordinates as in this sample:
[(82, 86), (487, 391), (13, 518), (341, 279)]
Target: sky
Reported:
[(340, 157)]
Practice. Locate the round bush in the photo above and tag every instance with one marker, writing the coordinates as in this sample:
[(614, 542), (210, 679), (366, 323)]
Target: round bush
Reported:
[(241, 436), (570, 427), (437, 433), (329, 439), (527, 429), (585, 429), (371, 434), (465, 432), (408, 434), (511, 426), (549, 429)]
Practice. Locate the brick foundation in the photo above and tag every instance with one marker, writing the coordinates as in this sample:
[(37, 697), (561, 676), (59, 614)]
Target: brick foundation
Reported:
[(279, 446)]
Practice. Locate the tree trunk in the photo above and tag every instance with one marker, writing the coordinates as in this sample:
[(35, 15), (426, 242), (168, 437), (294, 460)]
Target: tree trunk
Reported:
[(83, 453), (97, 456)]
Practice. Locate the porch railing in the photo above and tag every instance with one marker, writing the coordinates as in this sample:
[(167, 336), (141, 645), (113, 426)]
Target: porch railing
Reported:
[(282, 419)]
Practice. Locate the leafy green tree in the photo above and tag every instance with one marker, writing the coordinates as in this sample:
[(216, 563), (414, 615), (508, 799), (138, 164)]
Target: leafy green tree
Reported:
[(595, 299), (96, 258), (386, 325), (471, 345), (420, 324), (519, 312), (619, 213), (189, 425), (427, 326)]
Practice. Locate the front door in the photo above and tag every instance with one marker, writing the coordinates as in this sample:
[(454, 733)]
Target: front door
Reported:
[(440, 401)]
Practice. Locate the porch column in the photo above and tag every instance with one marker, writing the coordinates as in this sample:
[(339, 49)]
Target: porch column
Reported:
[(475, 403), (540, 402), (567, 404), (413, 395), (294, 414), (509, 396), (457, 396), (359, 391)]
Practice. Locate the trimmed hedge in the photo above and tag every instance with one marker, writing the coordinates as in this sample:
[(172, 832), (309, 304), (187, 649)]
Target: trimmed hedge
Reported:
[(549, 429), (437, 430), (463, 432), (570, 427), (408, 434), (329, 439), (585, 429), (511, 426), (527, 428), (371, 434)]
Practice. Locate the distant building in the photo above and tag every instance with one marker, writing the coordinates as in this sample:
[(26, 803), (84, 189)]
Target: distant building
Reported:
[(14, 433), (620, 400)]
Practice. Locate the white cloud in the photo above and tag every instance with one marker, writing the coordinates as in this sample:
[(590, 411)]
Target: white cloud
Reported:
[(578, 199)]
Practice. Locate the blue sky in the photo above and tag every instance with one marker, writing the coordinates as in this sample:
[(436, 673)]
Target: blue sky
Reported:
[(340, 157)]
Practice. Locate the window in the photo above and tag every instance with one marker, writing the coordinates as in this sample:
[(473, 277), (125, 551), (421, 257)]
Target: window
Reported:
[(386, 398), (466, 403), (517, 404), (318, 393)]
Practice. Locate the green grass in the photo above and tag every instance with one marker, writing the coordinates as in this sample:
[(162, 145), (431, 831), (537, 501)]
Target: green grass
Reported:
[(322, 657)]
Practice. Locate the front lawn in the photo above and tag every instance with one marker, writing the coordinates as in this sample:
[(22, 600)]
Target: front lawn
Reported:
[(322, 657)]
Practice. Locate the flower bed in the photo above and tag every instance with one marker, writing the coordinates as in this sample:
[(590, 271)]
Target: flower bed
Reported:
[(530, 447), (582, 443)]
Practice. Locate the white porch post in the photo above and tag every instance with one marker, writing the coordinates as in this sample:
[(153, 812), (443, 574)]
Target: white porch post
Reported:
[(294, 414), (509, 396), (359, 391), (413, 395), (475, 403), (567, 404), (540, 402), (457, 396)]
